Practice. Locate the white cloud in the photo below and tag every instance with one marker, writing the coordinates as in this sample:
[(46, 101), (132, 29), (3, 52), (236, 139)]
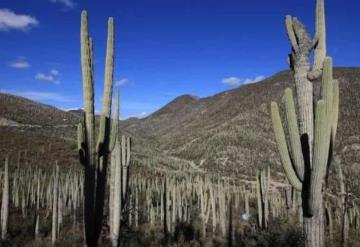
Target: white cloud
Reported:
[(256, 79), (72, 109), (54, 72), (138, 115), (235, 81), (10, 20), (52, 77), (39, 96), (232, 81), (20, 63), (66, 3), (121, 82)]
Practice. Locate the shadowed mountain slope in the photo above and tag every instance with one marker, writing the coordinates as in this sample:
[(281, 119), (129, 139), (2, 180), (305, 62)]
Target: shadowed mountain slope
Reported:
[(231, 131)]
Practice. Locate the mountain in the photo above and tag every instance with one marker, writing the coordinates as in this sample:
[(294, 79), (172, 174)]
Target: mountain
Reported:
[(35, 132), (232, 131), (229, 133), (25, 111)]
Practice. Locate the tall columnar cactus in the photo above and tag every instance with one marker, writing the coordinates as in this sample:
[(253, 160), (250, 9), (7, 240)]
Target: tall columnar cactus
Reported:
[(5, 201), (115, 184), (329, 216), (302, 45), (204, 206), (262, 188), (94, 155), (55, 200), (119, 184), (165, 204), (37, 213), (125, 164), (305, 174), (343, 203)]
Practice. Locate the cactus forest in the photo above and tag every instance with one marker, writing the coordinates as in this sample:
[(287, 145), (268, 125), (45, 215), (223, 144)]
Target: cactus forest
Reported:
[(281, 168)]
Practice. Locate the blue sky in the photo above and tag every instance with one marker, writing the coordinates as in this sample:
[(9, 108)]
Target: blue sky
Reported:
[(163, 48)]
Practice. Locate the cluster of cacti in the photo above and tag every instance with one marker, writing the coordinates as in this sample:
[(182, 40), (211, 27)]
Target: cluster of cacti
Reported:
[(164, 199), (38, 196), (175, 196), (175, 199)]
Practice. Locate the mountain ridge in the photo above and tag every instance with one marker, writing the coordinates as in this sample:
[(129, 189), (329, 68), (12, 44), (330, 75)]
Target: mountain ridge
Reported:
[(227, 133)]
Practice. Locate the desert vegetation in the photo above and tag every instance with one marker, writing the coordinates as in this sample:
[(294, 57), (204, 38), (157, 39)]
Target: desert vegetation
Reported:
[(120, 190)]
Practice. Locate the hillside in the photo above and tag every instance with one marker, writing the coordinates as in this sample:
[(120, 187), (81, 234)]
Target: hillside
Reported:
[(36, 132), (232, 131), (228, 133), (25, 111)]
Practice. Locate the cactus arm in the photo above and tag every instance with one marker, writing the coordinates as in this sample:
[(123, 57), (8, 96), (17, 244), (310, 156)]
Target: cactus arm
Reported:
[(315, 41), (259, 198), (283, 149), (331, 103), (319, 158), (320, 45), (294, 135), (291, 33), (335, 108), (327, 86), (128, 150), (80, 136), (103, 141), (80, 142), (123, 150), (115, 124), (88, 89)]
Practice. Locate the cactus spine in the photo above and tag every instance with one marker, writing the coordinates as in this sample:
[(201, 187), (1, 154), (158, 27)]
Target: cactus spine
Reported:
[(5, 201), (94, 156), (310, 183)]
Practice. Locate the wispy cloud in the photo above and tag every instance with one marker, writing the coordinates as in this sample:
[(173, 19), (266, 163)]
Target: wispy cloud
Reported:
[(10, 20), (52, 77), (72, 109), (232, 81), (66, 3), (20, 63), (139, 115), (121, 82), (54, 72), (256, 79), (236, 81), (40, 96)]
